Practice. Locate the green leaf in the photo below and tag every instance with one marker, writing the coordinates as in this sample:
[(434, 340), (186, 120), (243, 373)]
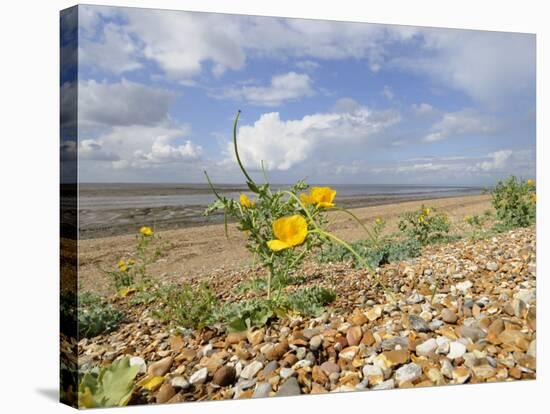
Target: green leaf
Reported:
[(111, 388)]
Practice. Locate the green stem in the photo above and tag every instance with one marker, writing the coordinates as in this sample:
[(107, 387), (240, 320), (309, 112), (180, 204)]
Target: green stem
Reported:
[(212, 186), (237, 149), (357, 220), (357, 256), (292, 195)]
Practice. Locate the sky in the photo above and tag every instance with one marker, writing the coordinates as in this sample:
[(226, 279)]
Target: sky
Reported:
[(333, 102)]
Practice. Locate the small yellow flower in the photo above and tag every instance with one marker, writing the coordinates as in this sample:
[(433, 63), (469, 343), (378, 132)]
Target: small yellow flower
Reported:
[(422, 218), (122, 266), (426, 211), (378, 221), (530, 182), (322, 197), (467, 219), (289, 231), (146, 231), (245, 201)]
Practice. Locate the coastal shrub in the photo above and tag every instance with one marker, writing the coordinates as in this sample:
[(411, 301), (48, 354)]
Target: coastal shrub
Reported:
[(131, 273), (385, 251), (282, 226), (112, 387), (188, 306), (426, 225), (95, 316), (515, 202)]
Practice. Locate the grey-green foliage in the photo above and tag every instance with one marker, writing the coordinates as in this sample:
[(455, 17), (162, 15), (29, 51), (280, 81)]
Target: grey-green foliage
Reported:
[(310, 301), (243, 315), (95, 316), (385, 251)]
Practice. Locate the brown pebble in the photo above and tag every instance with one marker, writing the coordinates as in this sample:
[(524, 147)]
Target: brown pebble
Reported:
[(165, 393)]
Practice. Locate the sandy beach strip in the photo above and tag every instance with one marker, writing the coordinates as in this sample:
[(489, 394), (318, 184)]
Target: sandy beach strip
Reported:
[(199, 250)]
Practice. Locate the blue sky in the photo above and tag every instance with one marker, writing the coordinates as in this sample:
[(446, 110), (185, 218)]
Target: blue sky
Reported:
[(331, 101)]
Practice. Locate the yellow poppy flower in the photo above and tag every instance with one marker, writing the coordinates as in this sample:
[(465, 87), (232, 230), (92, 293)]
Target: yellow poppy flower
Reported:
[(378, 221), (322, 197), (426, 211), (530, 182), (146, 231), (289, 232), (122, 266), (422, 219), (245, 201)]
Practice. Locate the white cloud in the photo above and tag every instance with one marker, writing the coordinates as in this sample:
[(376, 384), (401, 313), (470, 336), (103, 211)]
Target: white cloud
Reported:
[(163, 151), (122, 103), (183, 44), (497, 161), (285, 87), (283, 144), (114, 52), (139, 147), (466, 121), (491, 67), (488, 66)]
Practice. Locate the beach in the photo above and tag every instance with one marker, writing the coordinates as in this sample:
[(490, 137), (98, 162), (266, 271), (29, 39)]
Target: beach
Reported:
[(197, 251)]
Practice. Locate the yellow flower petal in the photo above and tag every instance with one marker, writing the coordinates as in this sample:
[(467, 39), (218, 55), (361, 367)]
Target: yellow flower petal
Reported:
[(291, 230), (277, 245), (530, 182), (151, 383)]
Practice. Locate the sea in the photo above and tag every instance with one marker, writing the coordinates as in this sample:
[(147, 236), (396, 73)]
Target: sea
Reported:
[(116, 208)]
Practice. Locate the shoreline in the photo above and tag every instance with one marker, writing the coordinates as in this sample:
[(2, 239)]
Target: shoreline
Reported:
[(124, 221), (198, 251)]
